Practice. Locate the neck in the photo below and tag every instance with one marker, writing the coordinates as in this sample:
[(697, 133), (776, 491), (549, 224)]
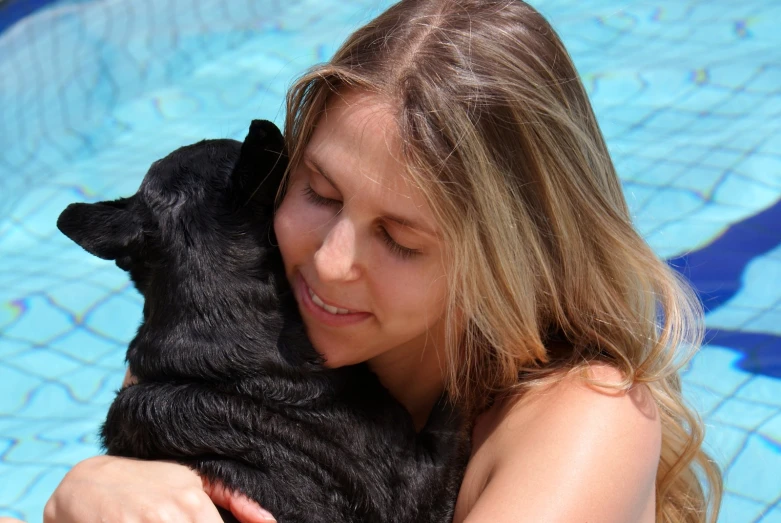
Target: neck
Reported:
[(414, 377)]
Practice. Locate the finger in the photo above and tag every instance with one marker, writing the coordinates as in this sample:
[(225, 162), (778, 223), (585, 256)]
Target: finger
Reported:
[(243, 508), (247, 511)]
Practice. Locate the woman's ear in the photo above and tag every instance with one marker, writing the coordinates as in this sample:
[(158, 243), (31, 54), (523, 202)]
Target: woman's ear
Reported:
[(261, 165), (106, 229)]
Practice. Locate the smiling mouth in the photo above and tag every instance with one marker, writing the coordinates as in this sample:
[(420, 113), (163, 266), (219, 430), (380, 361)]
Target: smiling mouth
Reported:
[(320, 303)]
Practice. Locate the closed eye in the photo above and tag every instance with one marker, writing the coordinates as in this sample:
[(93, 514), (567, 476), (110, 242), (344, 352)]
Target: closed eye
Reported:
[(396, 249), (402, 252), (317, 199)]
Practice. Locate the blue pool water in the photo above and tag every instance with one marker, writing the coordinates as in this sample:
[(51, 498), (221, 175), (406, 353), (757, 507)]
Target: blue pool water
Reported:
[(688, 93)]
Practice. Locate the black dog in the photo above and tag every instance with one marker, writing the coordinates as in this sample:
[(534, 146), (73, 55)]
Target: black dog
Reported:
[(227, 381)]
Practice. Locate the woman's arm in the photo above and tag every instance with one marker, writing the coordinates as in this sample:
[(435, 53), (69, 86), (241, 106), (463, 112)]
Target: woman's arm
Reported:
[(107, 488), (573, 453)]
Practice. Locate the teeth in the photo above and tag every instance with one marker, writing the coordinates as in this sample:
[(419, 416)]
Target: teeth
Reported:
[(333, 310)]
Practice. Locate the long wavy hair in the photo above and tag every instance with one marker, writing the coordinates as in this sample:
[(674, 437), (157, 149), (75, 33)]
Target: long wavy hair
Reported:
[(498, 132)]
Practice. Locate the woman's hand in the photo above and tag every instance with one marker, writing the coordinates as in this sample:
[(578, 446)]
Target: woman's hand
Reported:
[(243, 508), (107, 488)]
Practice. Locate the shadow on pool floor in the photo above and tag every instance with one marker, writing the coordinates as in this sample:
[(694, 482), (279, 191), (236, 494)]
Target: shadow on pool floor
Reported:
[(715, 271)]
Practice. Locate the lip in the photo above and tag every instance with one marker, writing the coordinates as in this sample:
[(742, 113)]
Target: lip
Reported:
[(321, 315)]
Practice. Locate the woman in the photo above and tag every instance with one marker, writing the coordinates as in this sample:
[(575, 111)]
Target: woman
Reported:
[(451, 195)]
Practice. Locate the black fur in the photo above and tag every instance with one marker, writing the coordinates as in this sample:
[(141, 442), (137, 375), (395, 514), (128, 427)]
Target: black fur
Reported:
[(227, 381)]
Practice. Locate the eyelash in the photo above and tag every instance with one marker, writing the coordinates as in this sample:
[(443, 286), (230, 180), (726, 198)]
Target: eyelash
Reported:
[(402, 252)]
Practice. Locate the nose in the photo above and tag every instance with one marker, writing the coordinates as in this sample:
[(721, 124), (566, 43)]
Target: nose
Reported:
[(335, 260)]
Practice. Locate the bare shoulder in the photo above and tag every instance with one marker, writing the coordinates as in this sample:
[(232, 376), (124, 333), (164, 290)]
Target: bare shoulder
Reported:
[(576, 399), (570, 451)]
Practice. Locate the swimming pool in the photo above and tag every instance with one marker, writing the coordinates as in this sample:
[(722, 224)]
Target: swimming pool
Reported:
[(688, 94)]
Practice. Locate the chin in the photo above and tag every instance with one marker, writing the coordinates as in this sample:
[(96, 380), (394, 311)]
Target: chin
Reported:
[(340, 357), (333, 360)]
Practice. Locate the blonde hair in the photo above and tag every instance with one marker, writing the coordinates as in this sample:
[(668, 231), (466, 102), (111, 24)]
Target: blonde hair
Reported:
[(498, 132)]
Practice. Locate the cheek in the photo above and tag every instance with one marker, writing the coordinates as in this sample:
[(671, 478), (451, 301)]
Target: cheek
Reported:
[(295, 225), (283, 227), (415, 298)]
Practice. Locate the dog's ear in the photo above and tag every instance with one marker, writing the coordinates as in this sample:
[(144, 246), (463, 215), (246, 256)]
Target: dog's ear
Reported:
[(106, 229), (261, 165)]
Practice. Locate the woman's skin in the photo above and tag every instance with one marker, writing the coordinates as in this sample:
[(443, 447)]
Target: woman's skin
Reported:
[(352, 229)]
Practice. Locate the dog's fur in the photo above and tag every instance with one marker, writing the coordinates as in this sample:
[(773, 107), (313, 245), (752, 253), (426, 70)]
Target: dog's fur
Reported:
[(227, 381)]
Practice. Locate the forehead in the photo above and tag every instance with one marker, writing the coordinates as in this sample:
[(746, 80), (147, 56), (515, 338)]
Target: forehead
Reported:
[(357, 145)]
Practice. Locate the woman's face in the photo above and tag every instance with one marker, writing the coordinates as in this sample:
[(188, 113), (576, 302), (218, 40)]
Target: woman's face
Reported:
[(360, 245)]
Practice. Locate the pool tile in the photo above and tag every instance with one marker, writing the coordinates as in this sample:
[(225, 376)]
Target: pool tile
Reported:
[(43, 220), (767, 321), (672, 204), (15, 386), (637, 195), (759, 290), (730, 317), (108, 388), (34, 200), (744, 414), (761, 483), (40, 322), (716, 361), (766, 80), (116, 318), (53, 401), (32, 282), (31, 501), (773, 516), (698, 179), (77, 296), (23, 427), (677, 237), (30, 451), (746, 193), (738, 509), (771, 145), (724, 442), (15, 237), (85, 383), (762, 389), (771, 429), (72, 453), (740, 104), (16, 481), (703, 400), (723, 214), (85, 345), (9, 513), (762, 167), (618, 87), (46, 363), (9, 347), (72, 431), (105, 274)]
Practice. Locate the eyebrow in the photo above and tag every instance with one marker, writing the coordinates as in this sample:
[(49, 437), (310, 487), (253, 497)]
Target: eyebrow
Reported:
[(405, 222)]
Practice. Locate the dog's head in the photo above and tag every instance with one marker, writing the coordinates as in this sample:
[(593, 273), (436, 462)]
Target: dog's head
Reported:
[(203, 210)]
